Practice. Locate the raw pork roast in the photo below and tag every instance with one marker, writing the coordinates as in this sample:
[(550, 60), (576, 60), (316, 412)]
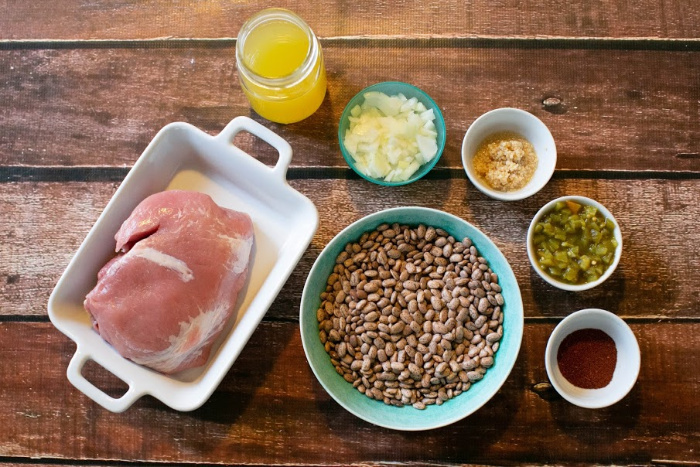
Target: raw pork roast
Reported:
[(167, 295)]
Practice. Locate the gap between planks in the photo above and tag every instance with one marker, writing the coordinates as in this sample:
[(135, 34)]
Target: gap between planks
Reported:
[(11, 461), (15, 174), (42, 461), (421, 41), (643, 319)]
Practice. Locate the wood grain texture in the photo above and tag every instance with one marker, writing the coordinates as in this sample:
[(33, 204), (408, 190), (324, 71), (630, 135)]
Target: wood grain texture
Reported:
[(85, 86), (75, 20), (657, 276), (270, 409), (619, 110)]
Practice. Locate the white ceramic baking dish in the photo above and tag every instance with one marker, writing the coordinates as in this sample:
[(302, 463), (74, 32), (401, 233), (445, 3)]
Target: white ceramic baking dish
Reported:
[(184, 157)]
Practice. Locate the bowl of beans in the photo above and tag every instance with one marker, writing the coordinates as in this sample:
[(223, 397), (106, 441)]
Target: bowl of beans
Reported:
[(592, 358), (574, 243), (508, 154), (411, 318)]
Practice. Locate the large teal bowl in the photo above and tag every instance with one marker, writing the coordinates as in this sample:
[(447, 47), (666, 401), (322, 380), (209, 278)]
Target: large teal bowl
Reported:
[(408, 418)]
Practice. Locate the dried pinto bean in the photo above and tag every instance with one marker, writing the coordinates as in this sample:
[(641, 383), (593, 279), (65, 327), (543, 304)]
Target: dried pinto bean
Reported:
[(410, 316)]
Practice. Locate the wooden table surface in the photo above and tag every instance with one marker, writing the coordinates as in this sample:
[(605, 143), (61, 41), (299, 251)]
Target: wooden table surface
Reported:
[(85, 85)]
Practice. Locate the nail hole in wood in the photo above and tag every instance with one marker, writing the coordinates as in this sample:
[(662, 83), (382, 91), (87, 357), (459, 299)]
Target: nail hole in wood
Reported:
[(554, 105), (11, 278), (545, 391)]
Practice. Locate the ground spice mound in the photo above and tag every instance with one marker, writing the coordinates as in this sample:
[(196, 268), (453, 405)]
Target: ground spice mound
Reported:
[(505, 161), (587, 358)]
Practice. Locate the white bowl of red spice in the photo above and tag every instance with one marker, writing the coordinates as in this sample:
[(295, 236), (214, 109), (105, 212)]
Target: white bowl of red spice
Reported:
[(509, 154), (592, 358)]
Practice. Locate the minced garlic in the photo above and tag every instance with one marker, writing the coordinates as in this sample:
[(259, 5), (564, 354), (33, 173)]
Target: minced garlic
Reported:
[(505, 161)]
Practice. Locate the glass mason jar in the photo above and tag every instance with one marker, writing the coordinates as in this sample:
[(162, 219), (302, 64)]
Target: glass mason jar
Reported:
[(280, 66)]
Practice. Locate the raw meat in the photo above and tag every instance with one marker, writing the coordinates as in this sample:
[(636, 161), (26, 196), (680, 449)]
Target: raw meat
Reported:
[(165, 298)]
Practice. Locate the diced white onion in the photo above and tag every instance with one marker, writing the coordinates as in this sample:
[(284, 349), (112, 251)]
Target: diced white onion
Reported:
[(390, 137)]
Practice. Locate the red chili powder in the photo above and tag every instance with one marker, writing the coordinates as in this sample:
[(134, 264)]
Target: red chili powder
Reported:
[(587, 358)]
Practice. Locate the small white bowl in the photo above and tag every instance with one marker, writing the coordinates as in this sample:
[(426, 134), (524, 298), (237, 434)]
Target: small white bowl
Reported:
[(526, 125), (562, 285), (628, 358)]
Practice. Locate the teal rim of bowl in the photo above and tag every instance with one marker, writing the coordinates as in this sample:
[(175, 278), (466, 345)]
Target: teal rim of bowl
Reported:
[(408, 418), (392, 88)]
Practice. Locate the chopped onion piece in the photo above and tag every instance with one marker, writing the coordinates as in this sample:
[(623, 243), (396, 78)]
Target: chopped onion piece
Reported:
[(427, 146), (390, 137)]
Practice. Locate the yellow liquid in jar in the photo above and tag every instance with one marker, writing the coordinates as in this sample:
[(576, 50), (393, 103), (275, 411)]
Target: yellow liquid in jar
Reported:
[(274, 50)]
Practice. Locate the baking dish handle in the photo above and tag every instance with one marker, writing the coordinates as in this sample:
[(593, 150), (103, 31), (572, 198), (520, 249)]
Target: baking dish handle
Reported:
[(239, 124), (75, 376)]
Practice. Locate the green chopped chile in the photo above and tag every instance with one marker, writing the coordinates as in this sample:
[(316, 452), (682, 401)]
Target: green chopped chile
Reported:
[(574, 243)]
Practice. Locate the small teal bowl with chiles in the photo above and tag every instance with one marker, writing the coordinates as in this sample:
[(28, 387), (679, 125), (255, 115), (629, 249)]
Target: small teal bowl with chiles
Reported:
[(408, 418)]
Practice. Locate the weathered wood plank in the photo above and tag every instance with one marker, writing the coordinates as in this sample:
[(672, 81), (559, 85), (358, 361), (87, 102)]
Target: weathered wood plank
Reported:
[(657, 276), (618, 110), (270, 410), (71, 19)]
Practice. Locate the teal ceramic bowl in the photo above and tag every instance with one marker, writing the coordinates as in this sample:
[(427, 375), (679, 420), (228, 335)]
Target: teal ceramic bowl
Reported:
[(408, 418), (393, 88)]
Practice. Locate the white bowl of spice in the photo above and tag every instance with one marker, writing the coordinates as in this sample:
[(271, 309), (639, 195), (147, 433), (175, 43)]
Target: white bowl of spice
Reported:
[(592, 358), (509, 154)]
